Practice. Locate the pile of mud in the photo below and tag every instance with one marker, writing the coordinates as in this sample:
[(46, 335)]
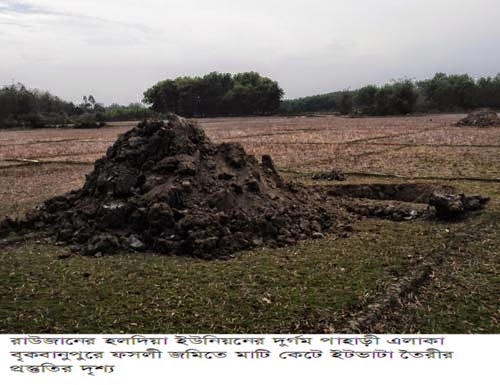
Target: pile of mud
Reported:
[(165, 187), (481, 118)]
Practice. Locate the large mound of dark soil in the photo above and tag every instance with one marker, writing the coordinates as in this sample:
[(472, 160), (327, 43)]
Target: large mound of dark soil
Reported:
[(165, 187), (480, 118)]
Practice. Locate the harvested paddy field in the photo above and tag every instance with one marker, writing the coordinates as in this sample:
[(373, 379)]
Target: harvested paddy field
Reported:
[(426, 276)]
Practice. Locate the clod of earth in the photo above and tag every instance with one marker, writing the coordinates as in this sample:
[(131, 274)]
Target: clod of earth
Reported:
[(449, 206), (481, 118), (329, 175), (165, 187)]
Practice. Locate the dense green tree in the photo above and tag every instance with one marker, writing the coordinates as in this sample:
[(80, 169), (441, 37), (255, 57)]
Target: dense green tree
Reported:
[(488, 92), (215, 94), (20, 106), (404, 97), (315, 103), (214, 87), (449, 92), (254, 94), (345, 102), (365, 100), (162, 96)]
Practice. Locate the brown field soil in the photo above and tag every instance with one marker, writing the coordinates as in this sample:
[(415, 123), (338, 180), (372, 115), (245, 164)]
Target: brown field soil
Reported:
[(317, 286)]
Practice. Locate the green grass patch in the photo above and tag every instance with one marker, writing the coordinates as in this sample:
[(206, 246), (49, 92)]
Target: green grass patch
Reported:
[(265, 290)]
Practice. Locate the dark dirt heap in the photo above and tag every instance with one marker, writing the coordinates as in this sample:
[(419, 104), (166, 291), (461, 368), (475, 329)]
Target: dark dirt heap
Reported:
[(165, 187), (480, 118)]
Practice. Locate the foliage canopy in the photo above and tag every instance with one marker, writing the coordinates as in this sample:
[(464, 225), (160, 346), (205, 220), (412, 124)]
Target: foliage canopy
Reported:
[(215, 94)]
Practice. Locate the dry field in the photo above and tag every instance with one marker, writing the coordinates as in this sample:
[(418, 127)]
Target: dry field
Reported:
[(449, 269), (37, 164)]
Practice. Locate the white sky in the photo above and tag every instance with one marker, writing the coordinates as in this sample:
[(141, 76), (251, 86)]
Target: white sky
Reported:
[(115, 49)]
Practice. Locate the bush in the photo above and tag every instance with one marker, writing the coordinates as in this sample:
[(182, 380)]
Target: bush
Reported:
[(134, 111), (89, 120)]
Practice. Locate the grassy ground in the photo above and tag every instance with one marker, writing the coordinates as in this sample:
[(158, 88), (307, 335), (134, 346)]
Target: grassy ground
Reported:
[(316, 286)]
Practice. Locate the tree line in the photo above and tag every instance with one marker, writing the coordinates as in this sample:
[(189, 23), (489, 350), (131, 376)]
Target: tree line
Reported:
[(23, 107), (216, 94), (248, 93), (442, 93)]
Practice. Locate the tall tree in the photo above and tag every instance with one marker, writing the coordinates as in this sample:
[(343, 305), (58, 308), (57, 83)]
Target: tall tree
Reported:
[(365, 100)]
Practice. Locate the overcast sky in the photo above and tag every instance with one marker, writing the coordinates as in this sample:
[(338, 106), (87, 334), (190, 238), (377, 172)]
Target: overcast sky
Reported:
[(115, 49)]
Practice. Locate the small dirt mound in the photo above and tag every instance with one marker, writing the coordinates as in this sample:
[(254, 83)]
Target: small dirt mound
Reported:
[(481, 118), (329, 175), (166, 187)]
